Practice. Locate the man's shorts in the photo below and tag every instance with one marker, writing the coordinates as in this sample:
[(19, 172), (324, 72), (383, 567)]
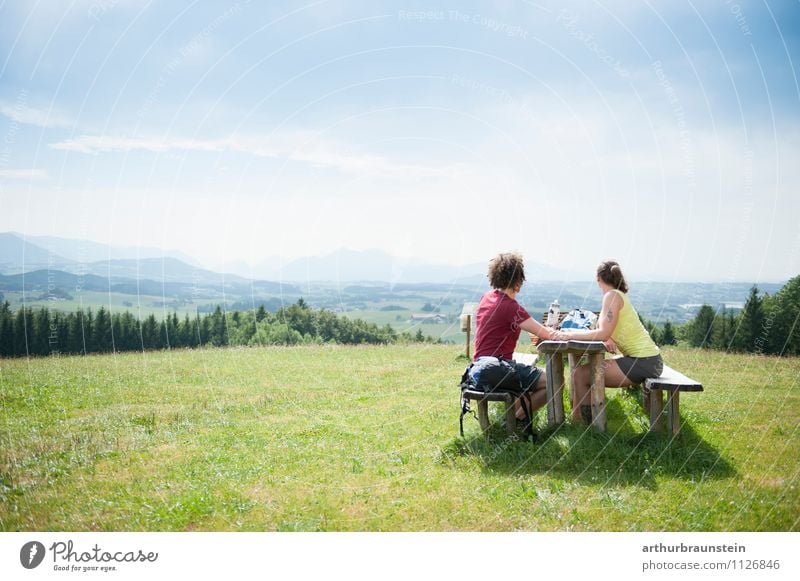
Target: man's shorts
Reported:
[(637, 369), (528, 375)]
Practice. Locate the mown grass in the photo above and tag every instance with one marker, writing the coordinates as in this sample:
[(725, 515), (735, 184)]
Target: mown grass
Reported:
[(366, 438)]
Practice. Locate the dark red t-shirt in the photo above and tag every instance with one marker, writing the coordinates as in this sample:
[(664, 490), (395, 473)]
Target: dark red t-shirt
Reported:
[(497, 325)]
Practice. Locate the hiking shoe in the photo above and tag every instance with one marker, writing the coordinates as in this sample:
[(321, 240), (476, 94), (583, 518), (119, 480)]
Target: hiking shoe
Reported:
[(526, 429)]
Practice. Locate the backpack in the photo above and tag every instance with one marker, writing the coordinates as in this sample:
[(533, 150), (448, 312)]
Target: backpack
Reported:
[(492, 375), (579, 319)]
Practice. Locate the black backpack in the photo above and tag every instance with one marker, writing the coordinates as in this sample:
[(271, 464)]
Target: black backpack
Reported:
[(496, 375)]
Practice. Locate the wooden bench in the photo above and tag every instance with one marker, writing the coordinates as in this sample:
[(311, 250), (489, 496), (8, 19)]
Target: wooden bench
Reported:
[(673, 382), (484, 398)]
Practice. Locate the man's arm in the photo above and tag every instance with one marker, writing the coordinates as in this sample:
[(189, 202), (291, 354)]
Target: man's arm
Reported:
[(531, 325)]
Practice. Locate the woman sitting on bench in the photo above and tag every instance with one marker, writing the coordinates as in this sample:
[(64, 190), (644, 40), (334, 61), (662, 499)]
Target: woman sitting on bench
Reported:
[(621, 330), (499, 320)]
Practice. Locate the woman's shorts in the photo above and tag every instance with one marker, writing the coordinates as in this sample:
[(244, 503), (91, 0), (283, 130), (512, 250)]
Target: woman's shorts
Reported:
[(637, 369)]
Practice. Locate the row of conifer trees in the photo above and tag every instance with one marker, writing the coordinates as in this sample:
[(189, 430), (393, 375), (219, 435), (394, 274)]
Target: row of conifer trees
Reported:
[(43, 331), (768, 324)]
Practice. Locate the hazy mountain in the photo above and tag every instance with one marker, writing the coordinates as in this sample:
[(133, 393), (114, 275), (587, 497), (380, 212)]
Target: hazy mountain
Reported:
[(377, 265), (158, 269), (18, 254), (88, 251), (202, 286), (268, 268)]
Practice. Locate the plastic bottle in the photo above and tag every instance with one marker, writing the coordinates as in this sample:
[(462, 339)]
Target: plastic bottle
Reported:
[(553, 314)]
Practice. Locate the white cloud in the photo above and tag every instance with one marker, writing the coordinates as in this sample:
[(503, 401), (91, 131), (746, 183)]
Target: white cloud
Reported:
[(297, 148), (22, 113), (23, 174)]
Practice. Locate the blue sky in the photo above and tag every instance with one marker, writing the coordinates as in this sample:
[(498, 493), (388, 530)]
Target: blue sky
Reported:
[(662, 134)]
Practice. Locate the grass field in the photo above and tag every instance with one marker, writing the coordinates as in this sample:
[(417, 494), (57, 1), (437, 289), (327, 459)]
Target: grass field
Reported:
[(366, 438)]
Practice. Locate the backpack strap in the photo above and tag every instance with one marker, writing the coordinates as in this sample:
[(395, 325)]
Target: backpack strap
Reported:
[(522, 395), (466, 383), (526, 410), (465, 409)]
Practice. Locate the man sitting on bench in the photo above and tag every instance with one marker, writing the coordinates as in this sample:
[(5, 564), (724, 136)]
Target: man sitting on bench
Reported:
[(499, 320)]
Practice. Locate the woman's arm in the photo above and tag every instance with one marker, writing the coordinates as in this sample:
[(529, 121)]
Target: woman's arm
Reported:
[(609, 317), (533, 326)]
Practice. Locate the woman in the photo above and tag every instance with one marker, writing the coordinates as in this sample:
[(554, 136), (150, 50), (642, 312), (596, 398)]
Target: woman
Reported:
[(499, 320), (621, 330)]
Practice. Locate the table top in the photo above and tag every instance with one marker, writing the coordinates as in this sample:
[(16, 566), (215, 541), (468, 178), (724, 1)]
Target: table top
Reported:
[(571, 347)]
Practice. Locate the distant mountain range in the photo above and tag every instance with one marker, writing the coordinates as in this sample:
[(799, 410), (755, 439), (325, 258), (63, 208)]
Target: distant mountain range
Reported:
[(20, 253), (344, 280), (374, 265)]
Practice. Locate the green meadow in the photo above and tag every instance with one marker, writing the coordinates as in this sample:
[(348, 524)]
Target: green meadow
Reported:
[(341, 438)]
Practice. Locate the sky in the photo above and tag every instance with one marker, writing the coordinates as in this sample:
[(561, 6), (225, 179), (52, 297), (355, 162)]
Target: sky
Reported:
[(665, 135)]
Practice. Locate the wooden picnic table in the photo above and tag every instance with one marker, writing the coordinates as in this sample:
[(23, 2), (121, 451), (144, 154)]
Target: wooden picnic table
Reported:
[(554, 352)]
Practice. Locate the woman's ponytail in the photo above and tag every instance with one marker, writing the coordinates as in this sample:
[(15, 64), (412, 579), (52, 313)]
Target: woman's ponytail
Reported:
[(610, 273)]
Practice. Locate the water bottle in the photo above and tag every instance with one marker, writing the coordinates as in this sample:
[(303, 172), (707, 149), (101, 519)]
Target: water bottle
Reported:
[(553, 314)]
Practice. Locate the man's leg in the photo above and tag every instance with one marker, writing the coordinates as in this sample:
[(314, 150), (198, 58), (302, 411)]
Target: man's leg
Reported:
[(537, 398)]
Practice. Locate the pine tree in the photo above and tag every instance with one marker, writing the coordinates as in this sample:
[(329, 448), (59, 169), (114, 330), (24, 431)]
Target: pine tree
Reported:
[(171, 331), (150, 333), (723, 332), (88, 332), (6, 330), (668, 334), (751, 324), (162, 335), (652, 330), (102, 332), (219, 328), (781, 326), (185, 331), (75, 343), (21, 333), (702, 327)]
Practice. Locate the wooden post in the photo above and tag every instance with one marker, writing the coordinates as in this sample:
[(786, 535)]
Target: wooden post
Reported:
[(673, 417), (558, 388), (573, 363), (656, 409), (483, 414), (598, 391), (469, 330), (550, 388)]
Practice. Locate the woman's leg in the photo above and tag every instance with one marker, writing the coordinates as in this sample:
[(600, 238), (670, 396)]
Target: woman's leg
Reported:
[(582, 378), (614, 377)]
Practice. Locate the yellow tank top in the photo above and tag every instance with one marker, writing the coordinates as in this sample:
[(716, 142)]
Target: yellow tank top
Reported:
[(630, 335)]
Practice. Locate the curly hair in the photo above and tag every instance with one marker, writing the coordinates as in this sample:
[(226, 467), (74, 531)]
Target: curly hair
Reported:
[(611, 274), (506, 271)]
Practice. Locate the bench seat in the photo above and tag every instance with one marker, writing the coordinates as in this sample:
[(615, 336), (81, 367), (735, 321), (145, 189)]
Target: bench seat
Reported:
[(673, 382), (484, 398)]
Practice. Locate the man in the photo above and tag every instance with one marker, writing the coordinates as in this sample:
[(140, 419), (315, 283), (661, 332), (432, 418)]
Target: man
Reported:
[(499, 321)]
